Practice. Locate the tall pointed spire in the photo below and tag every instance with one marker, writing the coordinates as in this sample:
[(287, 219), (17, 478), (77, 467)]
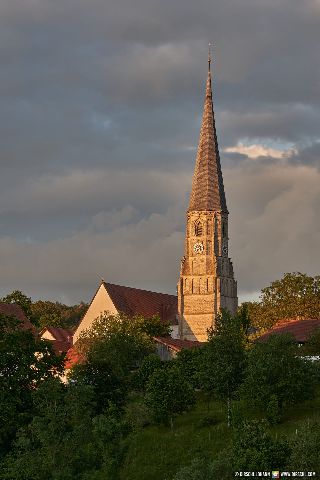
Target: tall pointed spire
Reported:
[(207, 186)]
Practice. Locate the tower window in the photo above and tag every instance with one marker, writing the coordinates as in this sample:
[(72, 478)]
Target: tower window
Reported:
[(198, 229)]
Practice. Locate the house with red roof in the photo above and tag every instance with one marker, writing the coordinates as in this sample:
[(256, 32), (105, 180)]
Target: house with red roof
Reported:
[(14, 310), (301, 329), (167, 347), (61, 338), (115, 299)]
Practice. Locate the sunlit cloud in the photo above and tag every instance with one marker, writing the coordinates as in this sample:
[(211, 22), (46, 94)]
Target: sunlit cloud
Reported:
[(258, 150)]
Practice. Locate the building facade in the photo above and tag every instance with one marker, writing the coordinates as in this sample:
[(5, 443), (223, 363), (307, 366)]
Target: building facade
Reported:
[(206, 284)]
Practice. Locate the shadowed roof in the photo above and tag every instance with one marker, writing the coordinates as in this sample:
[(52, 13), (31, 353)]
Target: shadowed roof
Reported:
[(17, 312), (62, 338), (300, 329), (59, 334), (176, 344), (134, 301)]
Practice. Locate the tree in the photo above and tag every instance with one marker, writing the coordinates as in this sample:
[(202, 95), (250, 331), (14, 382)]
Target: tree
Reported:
[(98, 373), (168, 394), (119, 340), (296, 295), (255, 448), (148, 366), (55, 314), (275, 373), (199, 469), (151, 326), (25, 363), (21, 299), (47, 313), (224, 357), (65, 439), (189, 361), (306, 448)]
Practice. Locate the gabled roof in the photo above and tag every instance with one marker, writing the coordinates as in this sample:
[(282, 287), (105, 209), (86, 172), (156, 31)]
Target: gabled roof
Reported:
[(62, 338), (134, 301), (207, 186), (59, 334), (176, 344), (300, 329), (17, 312)]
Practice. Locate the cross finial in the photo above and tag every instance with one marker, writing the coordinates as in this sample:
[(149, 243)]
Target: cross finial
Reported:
[(209, 55)]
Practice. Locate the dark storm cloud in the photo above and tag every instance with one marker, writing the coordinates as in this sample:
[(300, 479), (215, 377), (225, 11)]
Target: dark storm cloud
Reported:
[(100, 113)]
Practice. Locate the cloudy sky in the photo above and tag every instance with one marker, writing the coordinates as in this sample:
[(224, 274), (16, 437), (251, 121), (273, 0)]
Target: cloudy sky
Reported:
[(101, 104)]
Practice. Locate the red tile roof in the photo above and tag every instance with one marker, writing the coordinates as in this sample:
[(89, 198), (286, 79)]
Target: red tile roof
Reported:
[(62, 338), (60, 334), (16, 311), (134, 301), (300, 329), (176, 344), (72, 358)]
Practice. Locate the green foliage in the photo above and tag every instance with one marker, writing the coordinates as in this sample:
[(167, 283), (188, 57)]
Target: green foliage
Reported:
[(273, 413), (223, 360), (208, 469), (197, 470), (168, 394), (55, 314), (25, 363), (107, 326), (305, 446), (312, 346), (98, 373), (189, 361), (43, 313), (119, 341), (151, 326), (137, 413), (255, 448), (244, 319), (295, 295), (275, 373), (148, 366), (21, 299), (64, 441)]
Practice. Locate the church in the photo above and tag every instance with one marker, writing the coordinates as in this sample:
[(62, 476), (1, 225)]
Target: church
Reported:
[(206, 284)]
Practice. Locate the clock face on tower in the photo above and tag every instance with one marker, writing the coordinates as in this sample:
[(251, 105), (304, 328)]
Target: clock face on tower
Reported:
[(198, 247)]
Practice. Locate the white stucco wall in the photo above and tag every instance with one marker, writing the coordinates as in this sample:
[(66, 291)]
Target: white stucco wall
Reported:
[(175, 331), (47, 335), (100, 304)]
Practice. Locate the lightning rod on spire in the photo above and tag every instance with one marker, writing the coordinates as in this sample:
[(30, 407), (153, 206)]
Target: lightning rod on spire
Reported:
[(209, 55)]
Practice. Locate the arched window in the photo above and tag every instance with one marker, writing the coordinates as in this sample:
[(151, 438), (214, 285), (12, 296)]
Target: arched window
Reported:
[(198, 229)]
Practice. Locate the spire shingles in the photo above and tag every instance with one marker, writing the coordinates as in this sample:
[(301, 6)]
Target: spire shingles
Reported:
[(207, 186)]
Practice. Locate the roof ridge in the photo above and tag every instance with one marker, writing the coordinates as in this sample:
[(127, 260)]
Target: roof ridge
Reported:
[(139, 289)]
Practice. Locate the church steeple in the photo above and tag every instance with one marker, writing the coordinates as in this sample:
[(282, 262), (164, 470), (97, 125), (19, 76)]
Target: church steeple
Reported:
[(206, 283), (207, 186)]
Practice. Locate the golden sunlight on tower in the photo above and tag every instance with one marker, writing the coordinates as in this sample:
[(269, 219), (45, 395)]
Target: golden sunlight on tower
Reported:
[(206, 283)]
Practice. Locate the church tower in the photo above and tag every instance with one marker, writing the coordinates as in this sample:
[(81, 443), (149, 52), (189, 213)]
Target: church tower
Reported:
[(206, 283)]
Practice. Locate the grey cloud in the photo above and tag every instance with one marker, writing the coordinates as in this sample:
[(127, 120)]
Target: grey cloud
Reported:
[(275, 226), (100, 112)]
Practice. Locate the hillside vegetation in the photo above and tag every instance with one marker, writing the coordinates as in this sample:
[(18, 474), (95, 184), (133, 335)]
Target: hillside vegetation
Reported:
[(230, 405)]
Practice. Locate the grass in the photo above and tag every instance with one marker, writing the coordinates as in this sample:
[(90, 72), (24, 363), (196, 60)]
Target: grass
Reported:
[(157, 452)]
